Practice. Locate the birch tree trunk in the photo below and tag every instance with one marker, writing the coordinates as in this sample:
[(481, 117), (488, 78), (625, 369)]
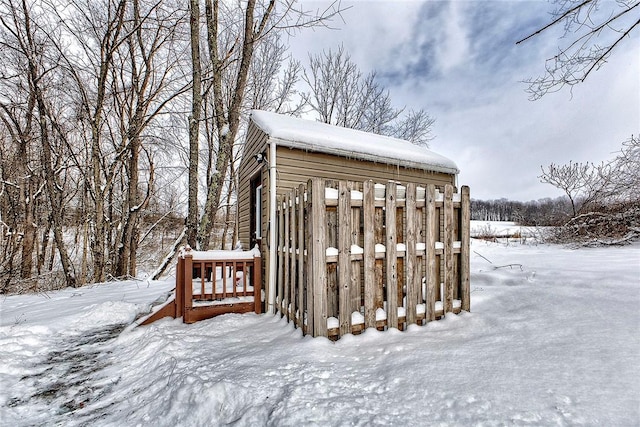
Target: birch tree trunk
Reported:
[(194, 124), (53, 190), (229, 102)]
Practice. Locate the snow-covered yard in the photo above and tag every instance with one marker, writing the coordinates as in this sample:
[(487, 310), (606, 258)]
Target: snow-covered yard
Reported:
[(553, 339)]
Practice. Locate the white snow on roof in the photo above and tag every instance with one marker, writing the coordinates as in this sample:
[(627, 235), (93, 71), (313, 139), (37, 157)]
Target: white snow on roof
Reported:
[(310, 135)]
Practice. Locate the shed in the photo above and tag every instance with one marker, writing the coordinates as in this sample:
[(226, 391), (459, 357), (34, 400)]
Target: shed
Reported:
[(282, 152)]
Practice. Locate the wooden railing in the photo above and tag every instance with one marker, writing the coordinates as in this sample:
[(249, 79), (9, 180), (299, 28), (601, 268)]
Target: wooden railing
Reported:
[(210, 283), (358, 255)]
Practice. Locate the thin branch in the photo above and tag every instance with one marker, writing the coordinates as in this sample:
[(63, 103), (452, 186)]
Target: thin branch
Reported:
[(603, 56), (555, 21)]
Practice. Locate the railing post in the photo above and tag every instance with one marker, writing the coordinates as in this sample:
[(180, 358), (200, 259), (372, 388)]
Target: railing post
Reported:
[(180, 286), (188, 285), (257, 284)]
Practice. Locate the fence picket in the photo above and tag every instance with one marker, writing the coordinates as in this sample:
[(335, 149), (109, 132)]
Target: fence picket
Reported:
[(319, 270), (300, 255), (280, 249), (292, 256), (448, 249), (308, 267), (344, 257), (369, 255), (465, 246), (391, 256), (431, 267), (411, 258), (287, 259)]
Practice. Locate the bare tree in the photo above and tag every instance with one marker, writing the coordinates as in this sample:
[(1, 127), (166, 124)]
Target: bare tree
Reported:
[(20, 170), (97, 34), (625, 172), (415, 127), (604, 198), (341, 95), (21, 174), (574, 179), (593, 29), (273, 77), (233, 34), (39, 59), (146, 78)]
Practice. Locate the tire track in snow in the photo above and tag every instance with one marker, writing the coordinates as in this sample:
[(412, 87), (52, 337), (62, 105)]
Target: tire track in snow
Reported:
[(69, 378)]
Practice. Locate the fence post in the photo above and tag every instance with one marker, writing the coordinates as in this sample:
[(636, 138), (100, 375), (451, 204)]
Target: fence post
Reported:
[(344, 257), (318, 261), (391, 256), (465, 240)]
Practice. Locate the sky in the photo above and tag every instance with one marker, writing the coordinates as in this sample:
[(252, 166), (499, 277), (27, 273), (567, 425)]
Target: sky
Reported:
[(458, 60)]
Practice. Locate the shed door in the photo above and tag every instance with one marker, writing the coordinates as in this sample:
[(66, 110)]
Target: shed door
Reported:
[(256, 210)]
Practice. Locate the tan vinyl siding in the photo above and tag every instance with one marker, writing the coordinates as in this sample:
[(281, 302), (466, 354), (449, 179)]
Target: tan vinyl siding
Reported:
[(297, 166), (256, 143)]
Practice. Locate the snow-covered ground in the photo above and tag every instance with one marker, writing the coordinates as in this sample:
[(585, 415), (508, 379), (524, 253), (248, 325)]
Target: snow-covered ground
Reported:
[(553, 339)]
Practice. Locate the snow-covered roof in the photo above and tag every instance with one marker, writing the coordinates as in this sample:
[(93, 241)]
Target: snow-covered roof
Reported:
[(320, 137)]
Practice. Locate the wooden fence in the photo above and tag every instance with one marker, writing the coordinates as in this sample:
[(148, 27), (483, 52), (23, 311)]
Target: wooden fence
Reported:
[(358, 255)]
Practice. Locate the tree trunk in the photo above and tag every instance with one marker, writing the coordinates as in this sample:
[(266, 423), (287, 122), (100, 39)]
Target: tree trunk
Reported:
[(43, 250), (227, 122), (27, 199), (55, 196), (194, 125), (130, 211), (28, 243)]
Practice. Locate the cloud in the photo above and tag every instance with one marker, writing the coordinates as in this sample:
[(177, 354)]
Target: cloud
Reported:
[(453, 49), (458, 60)]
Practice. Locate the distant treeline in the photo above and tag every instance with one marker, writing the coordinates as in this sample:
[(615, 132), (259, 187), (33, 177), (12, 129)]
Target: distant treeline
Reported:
[(545, 211)]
